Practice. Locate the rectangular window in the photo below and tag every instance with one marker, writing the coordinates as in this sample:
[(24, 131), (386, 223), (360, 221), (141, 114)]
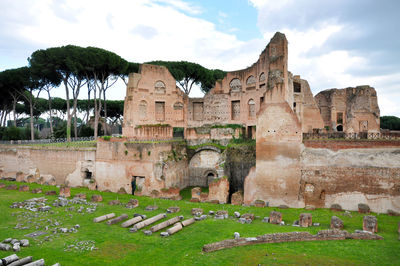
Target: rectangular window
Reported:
[(339, 118), (235, 110), (296, 87), (160, 111), (198, 111)]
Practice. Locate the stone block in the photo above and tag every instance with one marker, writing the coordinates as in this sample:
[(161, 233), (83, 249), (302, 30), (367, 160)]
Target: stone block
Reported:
[(151, 208), (97, 198), (114, 202), (133, 203), (370, 224), (363, 208), (36, 190), (283, 207), (80, 196), (24, 188), (173, 209), (30, 179), (393, 213), (196, 191), (259, 203), (51, 193), (336, 207), (203, 196), (65, 192), (305, 220), (336, 223), (12, 187), (197, 211), (275, 217), (248, 216), (237, 198)]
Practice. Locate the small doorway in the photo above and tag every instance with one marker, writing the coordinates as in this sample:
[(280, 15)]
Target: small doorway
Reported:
[(339, 128)]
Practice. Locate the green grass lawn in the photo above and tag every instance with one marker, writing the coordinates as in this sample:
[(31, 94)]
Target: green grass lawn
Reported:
[(116, 246)]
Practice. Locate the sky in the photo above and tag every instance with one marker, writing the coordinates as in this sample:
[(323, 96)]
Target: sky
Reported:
[(332, 43)]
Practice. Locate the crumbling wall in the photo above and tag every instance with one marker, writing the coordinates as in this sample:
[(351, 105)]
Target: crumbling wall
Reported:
[(55, 161), (351, 176)]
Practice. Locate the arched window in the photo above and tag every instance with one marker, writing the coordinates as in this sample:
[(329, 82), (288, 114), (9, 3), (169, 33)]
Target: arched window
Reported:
[(251, 81), (143, 109), (159, 87), (252, 108), (236, 85), (262, 77)]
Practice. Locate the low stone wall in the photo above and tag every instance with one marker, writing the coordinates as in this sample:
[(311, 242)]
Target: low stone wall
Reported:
[(350, 144), (289, 237)]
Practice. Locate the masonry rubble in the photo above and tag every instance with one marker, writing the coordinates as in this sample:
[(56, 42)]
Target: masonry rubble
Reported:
[(336, 223), (370, 223)]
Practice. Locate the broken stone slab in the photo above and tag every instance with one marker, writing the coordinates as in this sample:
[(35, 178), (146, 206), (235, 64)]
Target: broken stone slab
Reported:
[(20, 262), (151, 208), (305, 220), (132, 221), (166, 223), (201, 217), (370, 223), (188, 222), (147, 232), (173, 209), (237, 214), (222, 213), (259, 203), (177, 227), (114, 202), (118, 219), (245, 220), (164, 234), (265, 220), (65, 192), (248, 216), (51, 193), (7, 240), (363, 208), (80, 196), (336, 223), (17, 247), (197, 211), (24, 188), (237, 198), (236, 235), (103, 217), (147, 222), (133, 203), (275, 217), (5, 247), (97, 198), (336, 207), (9, 259), (12, 187), (36, 190), (36, 263)]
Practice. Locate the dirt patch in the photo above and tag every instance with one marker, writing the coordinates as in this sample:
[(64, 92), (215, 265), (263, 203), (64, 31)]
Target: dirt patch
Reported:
[(114, 250)]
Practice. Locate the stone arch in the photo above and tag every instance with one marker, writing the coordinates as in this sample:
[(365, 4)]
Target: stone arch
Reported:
[(252, 108), (203, 163), (143, 109), (210, 175), (159, 87), (235, 85), (262, 77)]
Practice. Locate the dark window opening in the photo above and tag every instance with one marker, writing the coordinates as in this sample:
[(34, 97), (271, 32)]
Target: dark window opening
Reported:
[(88, 174), (339, 128), (294, 107), (339, 118), (322, 195), (261, 99), (296, 87)]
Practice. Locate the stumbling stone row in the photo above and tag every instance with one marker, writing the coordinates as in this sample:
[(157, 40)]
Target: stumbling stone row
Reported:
[(165, 224), (104, 217), (147, 222), (118, 219)]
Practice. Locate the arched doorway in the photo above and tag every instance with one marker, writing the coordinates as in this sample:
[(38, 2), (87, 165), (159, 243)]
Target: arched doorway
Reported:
[(202, 167)]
